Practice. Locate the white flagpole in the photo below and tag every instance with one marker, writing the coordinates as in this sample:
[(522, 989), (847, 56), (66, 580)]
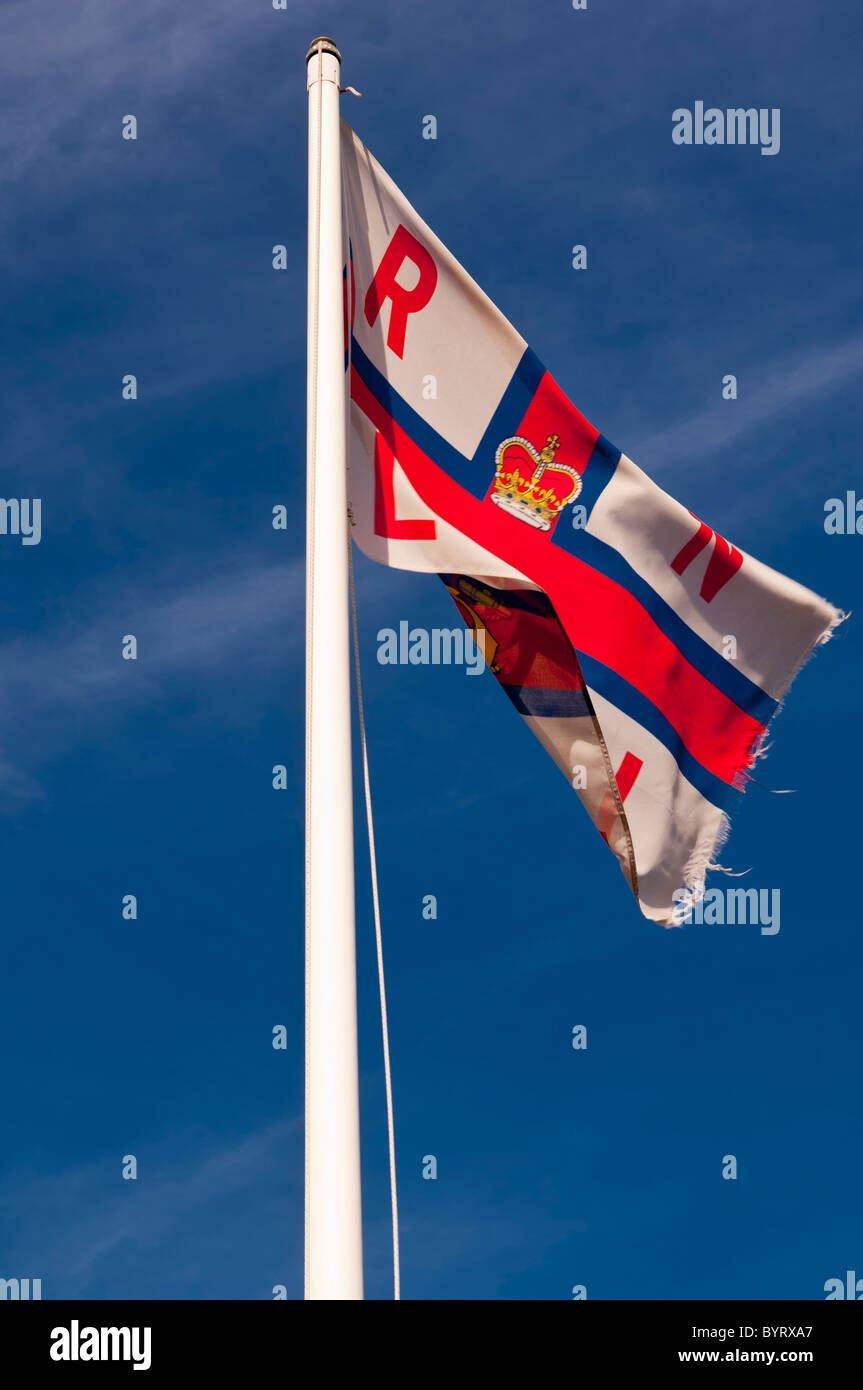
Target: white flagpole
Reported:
[(334, 1264)]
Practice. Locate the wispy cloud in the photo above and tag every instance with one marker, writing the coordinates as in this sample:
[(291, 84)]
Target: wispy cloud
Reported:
[(783, 388), (69, 64), (61, 1226), (52, 681), (200, 626)]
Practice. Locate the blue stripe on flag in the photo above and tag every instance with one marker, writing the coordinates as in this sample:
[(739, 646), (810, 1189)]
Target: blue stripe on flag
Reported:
[(596, 477), (631, 702)]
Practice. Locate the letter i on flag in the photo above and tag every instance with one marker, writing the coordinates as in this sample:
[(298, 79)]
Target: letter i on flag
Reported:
[(603, 601)]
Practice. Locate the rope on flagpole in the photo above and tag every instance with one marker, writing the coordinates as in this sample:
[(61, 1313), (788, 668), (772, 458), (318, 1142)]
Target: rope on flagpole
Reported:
[(391, 1137)]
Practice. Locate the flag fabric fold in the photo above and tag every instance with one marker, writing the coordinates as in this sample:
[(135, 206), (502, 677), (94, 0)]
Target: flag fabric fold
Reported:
[(645, 651)]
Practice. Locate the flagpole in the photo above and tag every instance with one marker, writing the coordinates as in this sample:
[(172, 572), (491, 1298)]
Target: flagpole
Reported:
[(334, 1265)]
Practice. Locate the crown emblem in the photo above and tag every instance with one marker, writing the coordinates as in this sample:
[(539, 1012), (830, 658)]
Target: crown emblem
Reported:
[(529, 484)]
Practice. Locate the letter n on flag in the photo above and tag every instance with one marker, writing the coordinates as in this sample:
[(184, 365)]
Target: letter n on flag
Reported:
[(606, 606)]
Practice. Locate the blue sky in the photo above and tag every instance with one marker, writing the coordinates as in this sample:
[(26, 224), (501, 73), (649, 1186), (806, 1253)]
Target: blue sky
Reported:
[(153, 1038)]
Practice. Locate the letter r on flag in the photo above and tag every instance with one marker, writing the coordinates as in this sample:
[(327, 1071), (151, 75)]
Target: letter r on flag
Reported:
[(403, 247)]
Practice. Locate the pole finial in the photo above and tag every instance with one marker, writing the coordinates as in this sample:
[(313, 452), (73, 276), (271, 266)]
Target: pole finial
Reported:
[(325, 45)]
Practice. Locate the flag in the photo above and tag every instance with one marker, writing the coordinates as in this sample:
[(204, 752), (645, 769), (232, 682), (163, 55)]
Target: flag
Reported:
[(645, 651)]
